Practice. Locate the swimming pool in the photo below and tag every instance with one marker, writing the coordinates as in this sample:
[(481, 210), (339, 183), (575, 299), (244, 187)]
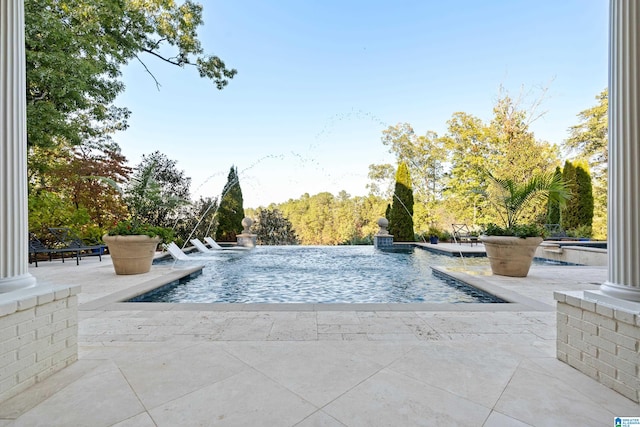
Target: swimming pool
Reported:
[(320, 274)]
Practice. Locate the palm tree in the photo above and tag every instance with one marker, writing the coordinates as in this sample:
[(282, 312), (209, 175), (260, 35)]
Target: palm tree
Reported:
[(514, 197)]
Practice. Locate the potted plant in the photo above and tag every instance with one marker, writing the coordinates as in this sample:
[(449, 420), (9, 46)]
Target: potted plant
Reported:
[(132, 242), (511, 248), (434, 235), (132, 245)]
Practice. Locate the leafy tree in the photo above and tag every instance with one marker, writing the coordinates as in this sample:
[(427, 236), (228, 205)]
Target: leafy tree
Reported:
[(401, 214), (505, 146), (425, 155), (570, 215), (589, 140), (553, 206), (324, 219), (77, 178), (231, 211), (197, 220), (76, 48), (469, 148), (516, 151), (584, 196), (381, 180), (157, 191), (272, 228), (578, 213)]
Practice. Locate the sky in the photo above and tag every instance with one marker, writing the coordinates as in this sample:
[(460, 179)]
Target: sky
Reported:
[(318, 82)]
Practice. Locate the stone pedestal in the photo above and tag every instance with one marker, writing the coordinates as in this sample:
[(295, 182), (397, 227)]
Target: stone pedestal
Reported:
[(382, 239), (246, 238)]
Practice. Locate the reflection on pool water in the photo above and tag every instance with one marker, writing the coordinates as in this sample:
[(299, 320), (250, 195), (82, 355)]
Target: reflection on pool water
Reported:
[(321, 274)]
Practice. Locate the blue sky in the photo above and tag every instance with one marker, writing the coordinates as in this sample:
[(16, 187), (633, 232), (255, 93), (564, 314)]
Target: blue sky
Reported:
[(318, 81)]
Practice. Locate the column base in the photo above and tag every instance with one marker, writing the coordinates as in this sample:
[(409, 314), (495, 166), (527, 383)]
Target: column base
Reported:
[(600, 336), (627, 293), (14, 283)]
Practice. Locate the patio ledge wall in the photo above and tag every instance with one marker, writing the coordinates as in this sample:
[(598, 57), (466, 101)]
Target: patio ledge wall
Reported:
[(601, 341), (38, 335), (578, 255)]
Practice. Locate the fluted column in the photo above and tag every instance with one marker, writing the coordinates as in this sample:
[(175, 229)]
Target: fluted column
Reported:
[(624, 151), (14, 272)]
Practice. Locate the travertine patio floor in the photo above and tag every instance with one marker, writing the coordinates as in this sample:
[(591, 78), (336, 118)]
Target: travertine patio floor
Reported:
[(305, 365)]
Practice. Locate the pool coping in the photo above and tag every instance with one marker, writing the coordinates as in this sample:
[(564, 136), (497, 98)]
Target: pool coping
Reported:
[(117, 300)]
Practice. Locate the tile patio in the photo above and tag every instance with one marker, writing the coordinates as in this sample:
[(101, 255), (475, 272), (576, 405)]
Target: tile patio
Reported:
[(144, 364)]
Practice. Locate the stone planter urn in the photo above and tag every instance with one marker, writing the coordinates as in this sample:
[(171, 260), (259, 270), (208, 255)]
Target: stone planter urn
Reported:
[(132, 254), (509, 255)]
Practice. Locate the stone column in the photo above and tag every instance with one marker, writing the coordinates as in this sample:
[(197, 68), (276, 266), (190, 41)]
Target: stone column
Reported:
[(624, 152), (14, 272)]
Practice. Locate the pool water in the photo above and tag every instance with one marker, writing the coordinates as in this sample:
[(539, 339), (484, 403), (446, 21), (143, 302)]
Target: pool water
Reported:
[(321, 274)]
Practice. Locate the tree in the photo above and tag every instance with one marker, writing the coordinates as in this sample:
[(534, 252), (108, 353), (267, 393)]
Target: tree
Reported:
[(553, 206), (577, 217), (570, 215), (589, 140), (505, 146), (381, 177), (512, 197), (231, 211), (157, 191), (469, 149), (272, 228), (425, 156), (585, 195), (516, 152), (70, 188), (197, 220), (74, 52), (401, 214)]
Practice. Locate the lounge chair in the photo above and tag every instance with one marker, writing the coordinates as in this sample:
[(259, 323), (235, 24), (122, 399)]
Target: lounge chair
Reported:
[(462, 234), (216, 246), (68, 240), (212, 243), (37, 247), (202, 248), (176, 252)]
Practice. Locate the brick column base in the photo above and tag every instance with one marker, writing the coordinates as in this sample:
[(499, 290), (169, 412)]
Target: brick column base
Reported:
[(38, 335), (601, 341)]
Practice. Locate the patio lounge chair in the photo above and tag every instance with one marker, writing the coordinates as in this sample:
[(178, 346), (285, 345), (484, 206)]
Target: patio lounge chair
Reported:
[(176, 252), (201, 246), (462, 234), (215, 245), (68, 240), (37, 247), (212, 243)]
